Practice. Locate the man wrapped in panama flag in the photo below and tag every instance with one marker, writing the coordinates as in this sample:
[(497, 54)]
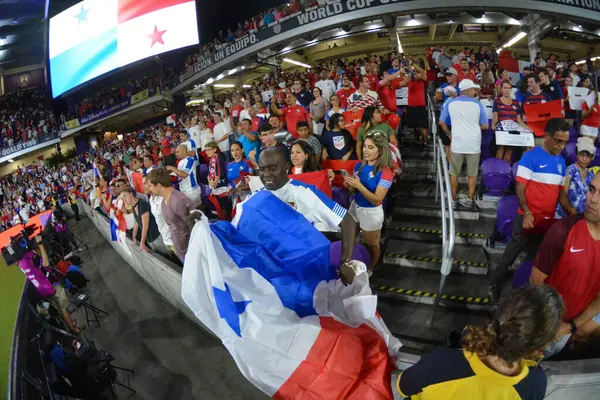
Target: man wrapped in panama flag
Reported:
[(264, 285)]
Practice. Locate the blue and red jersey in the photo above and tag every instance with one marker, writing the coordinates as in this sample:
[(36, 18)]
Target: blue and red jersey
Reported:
[(371, 181), (238, 169), (507, 112), (544, 177)]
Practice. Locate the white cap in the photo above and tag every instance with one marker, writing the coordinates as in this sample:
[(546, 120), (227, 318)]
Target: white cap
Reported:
[(451, 71), (467, 84), (585, 143)]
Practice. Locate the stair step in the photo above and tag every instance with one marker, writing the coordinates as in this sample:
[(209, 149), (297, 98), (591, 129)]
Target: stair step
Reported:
[(428, 298), (425, 176), (433, 210), (418, 163), (420, 154), (426, 234), (434, 264)]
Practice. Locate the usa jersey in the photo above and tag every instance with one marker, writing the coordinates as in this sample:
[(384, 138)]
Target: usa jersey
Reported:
[(544, 176), (188, 183), (236, 170), (324, 213), (371, 181)]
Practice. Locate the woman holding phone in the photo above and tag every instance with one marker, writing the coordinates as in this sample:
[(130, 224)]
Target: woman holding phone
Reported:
[(371, 181)]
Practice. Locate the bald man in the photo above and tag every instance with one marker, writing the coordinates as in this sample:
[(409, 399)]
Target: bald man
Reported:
[(186, 174)]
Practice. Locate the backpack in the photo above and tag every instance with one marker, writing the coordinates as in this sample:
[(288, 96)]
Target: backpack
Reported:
[(61, 359), (63, 266), (75, 278)]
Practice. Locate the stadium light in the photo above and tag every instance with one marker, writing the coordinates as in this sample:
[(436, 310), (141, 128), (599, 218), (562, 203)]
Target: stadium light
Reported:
[(209, 81), (224, 85), (301, 64), (220, 76), (194, 102), (512, 41), (232, 71), (246, 86), (584, 61), (10, 160)]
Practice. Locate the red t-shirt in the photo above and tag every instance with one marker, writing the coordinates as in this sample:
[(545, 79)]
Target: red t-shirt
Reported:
[(256, 121), (465, 75), (165, 146), (235, 111), (416, 93), (374, 80), (594, 117), (343, 94), (293, 115), (570, 257)]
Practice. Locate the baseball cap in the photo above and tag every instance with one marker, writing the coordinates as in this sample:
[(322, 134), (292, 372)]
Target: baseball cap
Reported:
[(467, 84), (586, 144), (451, 71)]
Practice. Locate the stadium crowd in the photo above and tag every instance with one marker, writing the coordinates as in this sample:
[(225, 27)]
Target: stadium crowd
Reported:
[(26, 115)]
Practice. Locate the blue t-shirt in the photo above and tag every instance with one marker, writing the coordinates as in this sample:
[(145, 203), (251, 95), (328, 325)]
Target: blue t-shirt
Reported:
[(444, 95), (337, 143), (236, 169), (371, 181), (249, 145)]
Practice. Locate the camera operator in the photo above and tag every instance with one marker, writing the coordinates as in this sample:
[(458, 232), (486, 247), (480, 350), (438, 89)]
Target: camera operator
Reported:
[(56, 231), (33, 261)]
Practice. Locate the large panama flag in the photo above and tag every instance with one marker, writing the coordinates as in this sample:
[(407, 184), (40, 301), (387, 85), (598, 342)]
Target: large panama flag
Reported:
[(267, 291), (96, 36)]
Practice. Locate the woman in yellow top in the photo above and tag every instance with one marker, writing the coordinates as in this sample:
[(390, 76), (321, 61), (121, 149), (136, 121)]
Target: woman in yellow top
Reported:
[(494, 362)]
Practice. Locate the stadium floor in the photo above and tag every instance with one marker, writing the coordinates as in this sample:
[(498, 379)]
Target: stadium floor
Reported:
[(171, 356), (11, 286)]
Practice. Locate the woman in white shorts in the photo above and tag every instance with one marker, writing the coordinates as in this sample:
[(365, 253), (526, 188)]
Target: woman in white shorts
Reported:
[(371, 181)]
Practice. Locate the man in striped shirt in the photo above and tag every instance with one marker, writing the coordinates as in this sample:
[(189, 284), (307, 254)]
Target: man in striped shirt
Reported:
[(364, 97)]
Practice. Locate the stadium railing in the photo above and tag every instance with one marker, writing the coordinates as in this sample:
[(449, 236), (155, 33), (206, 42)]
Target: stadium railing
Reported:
[(443, 197)]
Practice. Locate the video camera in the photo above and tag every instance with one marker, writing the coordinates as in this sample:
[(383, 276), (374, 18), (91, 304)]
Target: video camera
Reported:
[(19, 244)]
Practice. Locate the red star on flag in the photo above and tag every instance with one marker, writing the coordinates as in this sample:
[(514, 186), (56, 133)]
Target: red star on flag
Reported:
[(156, 36)]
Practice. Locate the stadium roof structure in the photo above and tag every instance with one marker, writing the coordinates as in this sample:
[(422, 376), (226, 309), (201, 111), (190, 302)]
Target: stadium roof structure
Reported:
[(22, 33)]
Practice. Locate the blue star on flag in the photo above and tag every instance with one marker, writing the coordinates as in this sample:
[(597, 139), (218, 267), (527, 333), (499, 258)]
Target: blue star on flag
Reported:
[(82, 16), (229, 309)]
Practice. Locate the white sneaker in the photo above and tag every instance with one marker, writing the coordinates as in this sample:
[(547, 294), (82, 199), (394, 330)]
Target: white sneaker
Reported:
[(465, 202), (69, 255)]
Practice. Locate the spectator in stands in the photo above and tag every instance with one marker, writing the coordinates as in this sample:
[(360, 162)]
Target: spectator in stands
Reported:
[(217, 180), (335, 109), (304, 134), (578, 178), (293, 114), (206, 134), (175, 208), (465, 72), (345, 92), (591, 117), (540, 183), (237, 170), (506, 109), (186, 174), (337, 142), (144, 219), (163, 228), (221, 135), (148, 165), (364, 97), (551, 88), (267, 139), (302, 158), (166, 148), (372, 179), (568, 262), (575, 74), (278, 130), (371, 120), (194, 131), (248, 138), (303, 96), (326, 85), (318, 107), (450, 88), (417, 117), (467, 117), (535, 95), (495, 360), (184, 138)]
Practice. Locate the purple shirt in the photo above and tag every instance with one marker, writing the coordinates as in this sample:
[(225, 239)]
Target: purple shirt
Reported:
[(174, 213), (35, 275)]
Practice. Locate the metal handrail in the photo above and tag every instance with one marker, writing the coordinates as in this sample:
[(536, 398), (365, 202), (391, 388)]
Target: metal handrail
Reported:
[(443, 192)]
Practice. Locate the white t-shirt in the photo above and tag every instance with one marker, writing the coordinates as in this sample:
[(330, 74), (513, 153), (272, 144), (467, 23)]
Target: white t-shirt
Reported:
[(465, 115), (194, 132), (327, 88), (220, 130), (324, 213), (163, 228)]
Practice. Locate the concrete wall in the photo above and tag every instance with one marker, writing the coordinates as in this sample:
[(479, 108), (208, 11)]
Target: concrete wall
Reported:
[(160, 274), (29, 158)]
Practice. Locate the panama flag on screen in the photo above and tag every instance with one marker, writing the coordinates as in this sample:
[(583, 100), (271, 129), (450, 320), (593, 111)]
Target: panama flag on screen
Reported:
[(268, 292), (96, 36)]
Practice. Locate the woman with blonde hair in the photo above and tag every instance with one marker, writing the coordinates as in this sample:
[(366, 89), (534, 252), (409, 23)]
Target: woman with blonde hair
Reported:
[(371, 181), (497, 361)]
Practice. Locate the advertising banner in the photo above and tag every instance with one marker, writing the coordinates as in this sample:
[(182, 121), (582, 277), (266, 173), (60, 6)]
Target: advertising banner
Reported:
[(24, 80), (71, 124), (6, 151), (136, 98)]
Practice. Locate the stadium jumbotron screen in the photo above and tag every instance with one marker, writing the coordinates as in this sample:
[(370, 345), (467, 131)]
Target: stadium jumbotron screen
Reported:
[(97, 36)]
